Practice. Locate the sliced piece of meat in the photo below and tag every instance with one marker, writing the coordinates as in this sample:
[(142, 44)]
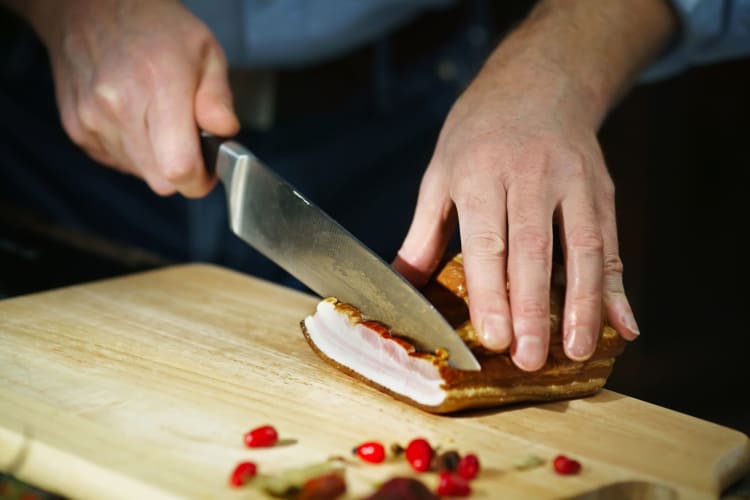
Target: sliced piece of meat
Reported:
[(369, 351)]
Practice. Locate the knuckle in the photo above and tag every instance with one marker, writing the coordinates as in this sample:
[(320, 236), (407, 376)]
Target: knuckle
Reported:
[(533, 242), (613, 264), (108, 98), (585, 300), (577, 164), (486, 244), (531, 308), (178, 171), (587, 238), (478, 157), (481, 151)]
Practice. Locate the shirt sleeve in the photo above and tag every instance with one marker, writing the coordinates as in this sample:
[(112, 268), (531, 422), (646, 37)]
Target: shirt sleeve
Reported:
[(709, 31), (293, 33)]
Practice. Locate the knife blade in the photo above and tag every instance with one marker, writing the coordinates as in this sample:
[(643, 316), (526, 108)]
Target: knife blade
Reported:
[(277, 220)]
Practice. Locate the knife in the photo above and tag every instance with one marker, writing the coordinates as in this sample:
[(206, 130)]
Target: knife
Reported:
[(278, 221)]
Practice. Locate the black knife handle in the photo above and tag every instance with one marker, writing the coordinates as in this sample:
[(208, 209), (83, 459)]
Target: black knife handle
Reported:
[(210, 145)]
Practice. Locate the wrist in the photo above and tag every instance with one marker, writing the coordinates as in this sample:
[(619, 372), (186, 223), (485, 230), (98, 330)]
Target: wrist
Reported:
[(585, 53)]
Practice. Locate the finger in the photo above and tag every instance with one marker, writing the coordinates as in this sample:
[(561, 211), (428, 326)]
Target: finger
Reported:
[(213, 99), (583, 247), (138, 150), (139, 156), (616, 304), (157, 183), (529, 268), (482, 223), (173, 134), (431, 228)]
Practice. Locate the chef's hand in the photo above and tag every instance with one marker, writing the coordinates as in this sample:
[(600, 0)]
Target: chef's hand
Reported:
[(517, 153), (135, 80)]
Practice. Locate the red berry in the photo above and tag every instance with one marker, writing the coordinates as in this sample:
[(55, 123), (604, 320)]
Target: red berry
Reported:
[(371, 451), (241, 473), (453, 485), (262, 436), (468, 467), (565, 466), (419, 454)]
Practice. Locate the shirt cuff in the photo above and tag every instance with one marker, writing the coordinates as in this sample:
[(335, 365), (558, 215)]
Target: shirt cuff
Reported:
[(709, 31)]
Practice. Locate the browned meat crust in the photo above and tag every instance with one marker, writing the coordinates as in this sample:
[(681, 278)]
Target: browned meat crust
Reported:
[(499, 382)]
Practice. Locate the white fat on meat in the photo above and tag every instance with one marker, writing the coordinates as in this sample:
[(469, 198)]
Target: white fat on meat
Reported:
[(381, 360)]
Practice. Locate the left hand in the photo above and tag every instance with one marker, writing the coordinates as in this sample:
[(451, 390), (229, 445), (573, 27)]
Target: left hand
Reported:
[(517, 153)]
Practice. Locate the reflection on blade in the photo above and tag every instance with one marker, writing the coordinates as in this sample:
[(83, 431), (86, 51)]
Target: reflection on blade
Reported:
[(279, 222)]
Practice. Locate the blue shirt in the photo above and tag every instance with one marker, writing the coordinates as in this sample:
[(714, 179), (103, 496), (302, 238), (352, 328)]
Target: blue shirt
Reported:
[(289, 33), (710, 31)]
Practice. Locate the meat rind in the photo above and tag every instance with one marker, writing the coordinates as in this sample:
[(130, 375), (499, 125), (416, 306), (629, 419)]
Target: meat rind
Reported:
[(369, 351)]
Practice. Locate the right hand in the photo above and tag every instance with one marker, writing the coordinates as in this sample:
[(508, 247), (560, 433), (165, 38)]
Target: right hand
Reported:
[(135, 80)]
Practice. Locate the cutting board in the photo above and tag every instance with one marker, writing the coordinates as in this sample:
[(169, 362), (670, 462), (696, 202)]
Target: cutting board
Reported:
[(143, 386)]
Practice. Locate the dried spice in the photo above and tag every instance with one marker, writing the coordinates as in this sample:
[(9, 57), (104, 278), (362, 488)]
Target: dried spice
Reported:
[(447, 460), (528, 462), (402, 488), (325, 487), (292, 481)]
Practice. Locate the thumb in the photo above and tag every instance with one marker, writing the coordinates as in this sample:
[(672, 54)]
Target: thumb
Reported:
[(430, 231), (213, 98)]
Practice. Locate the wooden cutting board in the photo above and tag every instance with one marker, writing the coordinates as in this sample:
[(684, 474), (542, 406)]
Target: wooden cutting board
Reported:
[(142, 387)]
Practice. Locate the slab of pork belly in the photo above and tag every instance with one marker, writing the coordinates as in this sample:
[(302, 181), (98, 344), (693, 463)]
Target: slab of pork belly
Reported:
[(369, 350)]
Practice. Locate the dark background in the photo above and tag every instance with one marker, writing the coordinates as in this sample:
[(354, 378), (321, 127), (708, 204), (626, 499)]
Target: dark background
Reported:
[(677, 151)]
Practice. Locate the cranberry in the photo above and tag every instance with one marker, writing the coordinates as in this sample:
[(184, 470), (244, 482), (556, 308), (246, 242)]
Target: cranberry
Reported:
[(242, 473), (371, 451), (453, 485), (468, 467), (565, 466), (260, 437), (419, 454)]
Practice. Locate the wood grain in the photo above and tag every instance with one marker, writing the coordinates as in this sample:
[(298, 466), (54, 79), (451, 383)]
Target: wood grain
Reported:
[(142, 386)]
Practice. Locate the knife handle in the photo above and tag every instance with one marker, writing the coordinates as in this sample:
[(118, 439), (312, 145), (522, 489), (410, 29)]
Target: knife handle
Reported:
[(210, 145)]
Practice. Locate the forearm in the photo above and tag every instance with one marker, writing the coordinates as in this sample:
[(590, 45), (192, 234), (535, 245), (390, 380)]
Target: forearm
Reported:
[(595, 48)]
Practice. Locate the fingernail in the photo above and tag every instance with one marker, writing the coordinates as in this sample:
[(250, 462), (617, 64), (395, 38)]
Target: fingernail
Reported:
[(579, 345), (495, 332), (530, 353), (629, 321)]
